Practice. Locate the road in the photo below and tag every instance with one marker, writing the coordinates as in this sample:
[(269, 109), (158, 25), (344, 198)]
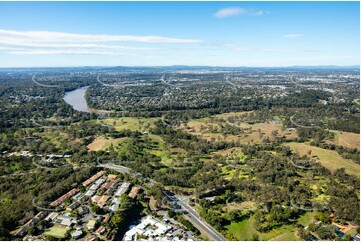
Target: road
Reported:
[(121, 169), (192, 214), (197, 220)]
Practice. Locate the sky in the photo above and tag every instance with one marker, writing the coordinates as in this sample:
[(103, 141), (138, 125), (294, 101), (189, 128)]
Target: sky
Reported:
[(50, 34)]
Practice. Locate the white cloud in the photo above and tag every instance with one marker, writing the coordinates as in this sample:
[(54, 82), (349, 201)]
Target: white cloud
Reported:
[(228, 12), (60, 52), (293, 36), (45, 42), (233, 11), (60, 37)]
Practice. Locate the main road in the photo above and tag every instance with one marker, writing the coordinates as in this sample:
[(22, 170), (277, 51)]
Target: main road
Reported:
[(192, 214), (196, 219)]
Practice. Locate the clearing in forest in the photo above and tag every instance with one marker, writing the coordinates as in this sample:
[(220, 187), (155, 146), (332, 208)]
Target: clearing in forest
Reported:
[(328, 158), (102, 143), (346, 139)]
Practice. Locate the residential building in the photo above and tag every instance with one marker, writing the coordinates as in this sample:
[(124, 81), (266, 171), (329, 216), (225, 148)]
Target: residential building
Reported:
[(77, 234), (93, 178), (91, 224), (122, 189), (69, 194), (134, 192), (100, 230), (74, 205)]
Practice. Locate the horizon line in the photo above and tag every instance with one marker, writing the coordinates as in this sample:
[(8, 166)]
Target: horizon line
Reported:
[(157, 66)]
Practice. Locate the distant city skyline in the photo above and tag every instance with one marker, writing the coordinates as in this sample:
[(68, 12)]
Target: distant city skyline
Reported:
[(257, 34)]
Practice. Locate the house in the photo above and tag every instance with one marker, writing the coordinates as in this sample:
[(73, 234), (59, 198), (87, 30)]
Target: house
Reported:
[(76, 196), (106, 219), (69, 194), (83, 210), (52, 216), (100, 230), (94, 187), (149, 228), (91, 224), (106, 185), (95, 198), (343, 229), (73, 206), (122, 189), (116, 200), (114, 207), (99, 182), (65, 221), (90, 238), (93, 178), (134, 192), (211, 199), (112, 177), (103, 200), (89, 193), (77, 234)]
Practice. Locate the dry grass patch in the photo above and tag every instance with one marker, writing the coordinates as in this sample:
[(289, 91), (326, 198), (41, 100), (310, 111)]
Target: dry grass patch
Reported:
[(346, 139), (101, 143), (328, 158), (97, 144), (241, 206)]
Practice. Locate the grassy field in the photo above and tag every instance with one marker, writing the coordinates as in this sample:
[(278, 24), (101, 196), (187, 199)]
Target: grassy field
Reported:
[(56, 231), (252, 133), (328, 158), (346, 139), (140, 124), (245, 229), (352, 232), (242, 206), (307, 218), (102, 143), (288, 236)]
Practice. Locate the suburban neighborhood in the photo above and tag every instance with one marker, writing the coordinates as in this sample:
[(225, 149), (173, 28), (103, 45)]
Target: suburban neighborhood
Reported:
[(85, 214)]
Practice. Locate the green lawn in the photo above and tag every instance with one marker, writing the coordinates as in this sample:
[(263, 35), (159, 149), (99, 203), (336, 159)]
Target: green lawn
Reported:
[(57, 231), (352, 232), (286, 232), (288, 236), (245, 229), (307, 218)]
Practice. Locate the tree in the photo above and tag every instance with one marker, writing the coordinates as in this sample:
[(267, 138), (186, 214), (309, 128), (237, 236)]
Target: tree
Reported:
[(325, 233), (125, 201), (171, 213), (117, 219), (96, 209)]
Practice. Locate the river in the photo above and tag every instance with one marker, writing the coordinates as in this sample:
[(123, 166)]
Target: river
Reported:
[(77, 100)]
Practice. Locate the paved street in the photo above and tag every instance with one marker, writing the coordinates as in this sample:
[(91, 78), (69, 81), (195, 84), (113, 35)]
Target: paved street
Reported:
[(121, 169), (197, 220)]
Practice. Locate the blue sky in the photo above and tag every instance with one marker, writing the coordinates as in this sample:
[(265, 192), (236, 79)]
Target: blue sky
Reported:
[(179, 33)]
